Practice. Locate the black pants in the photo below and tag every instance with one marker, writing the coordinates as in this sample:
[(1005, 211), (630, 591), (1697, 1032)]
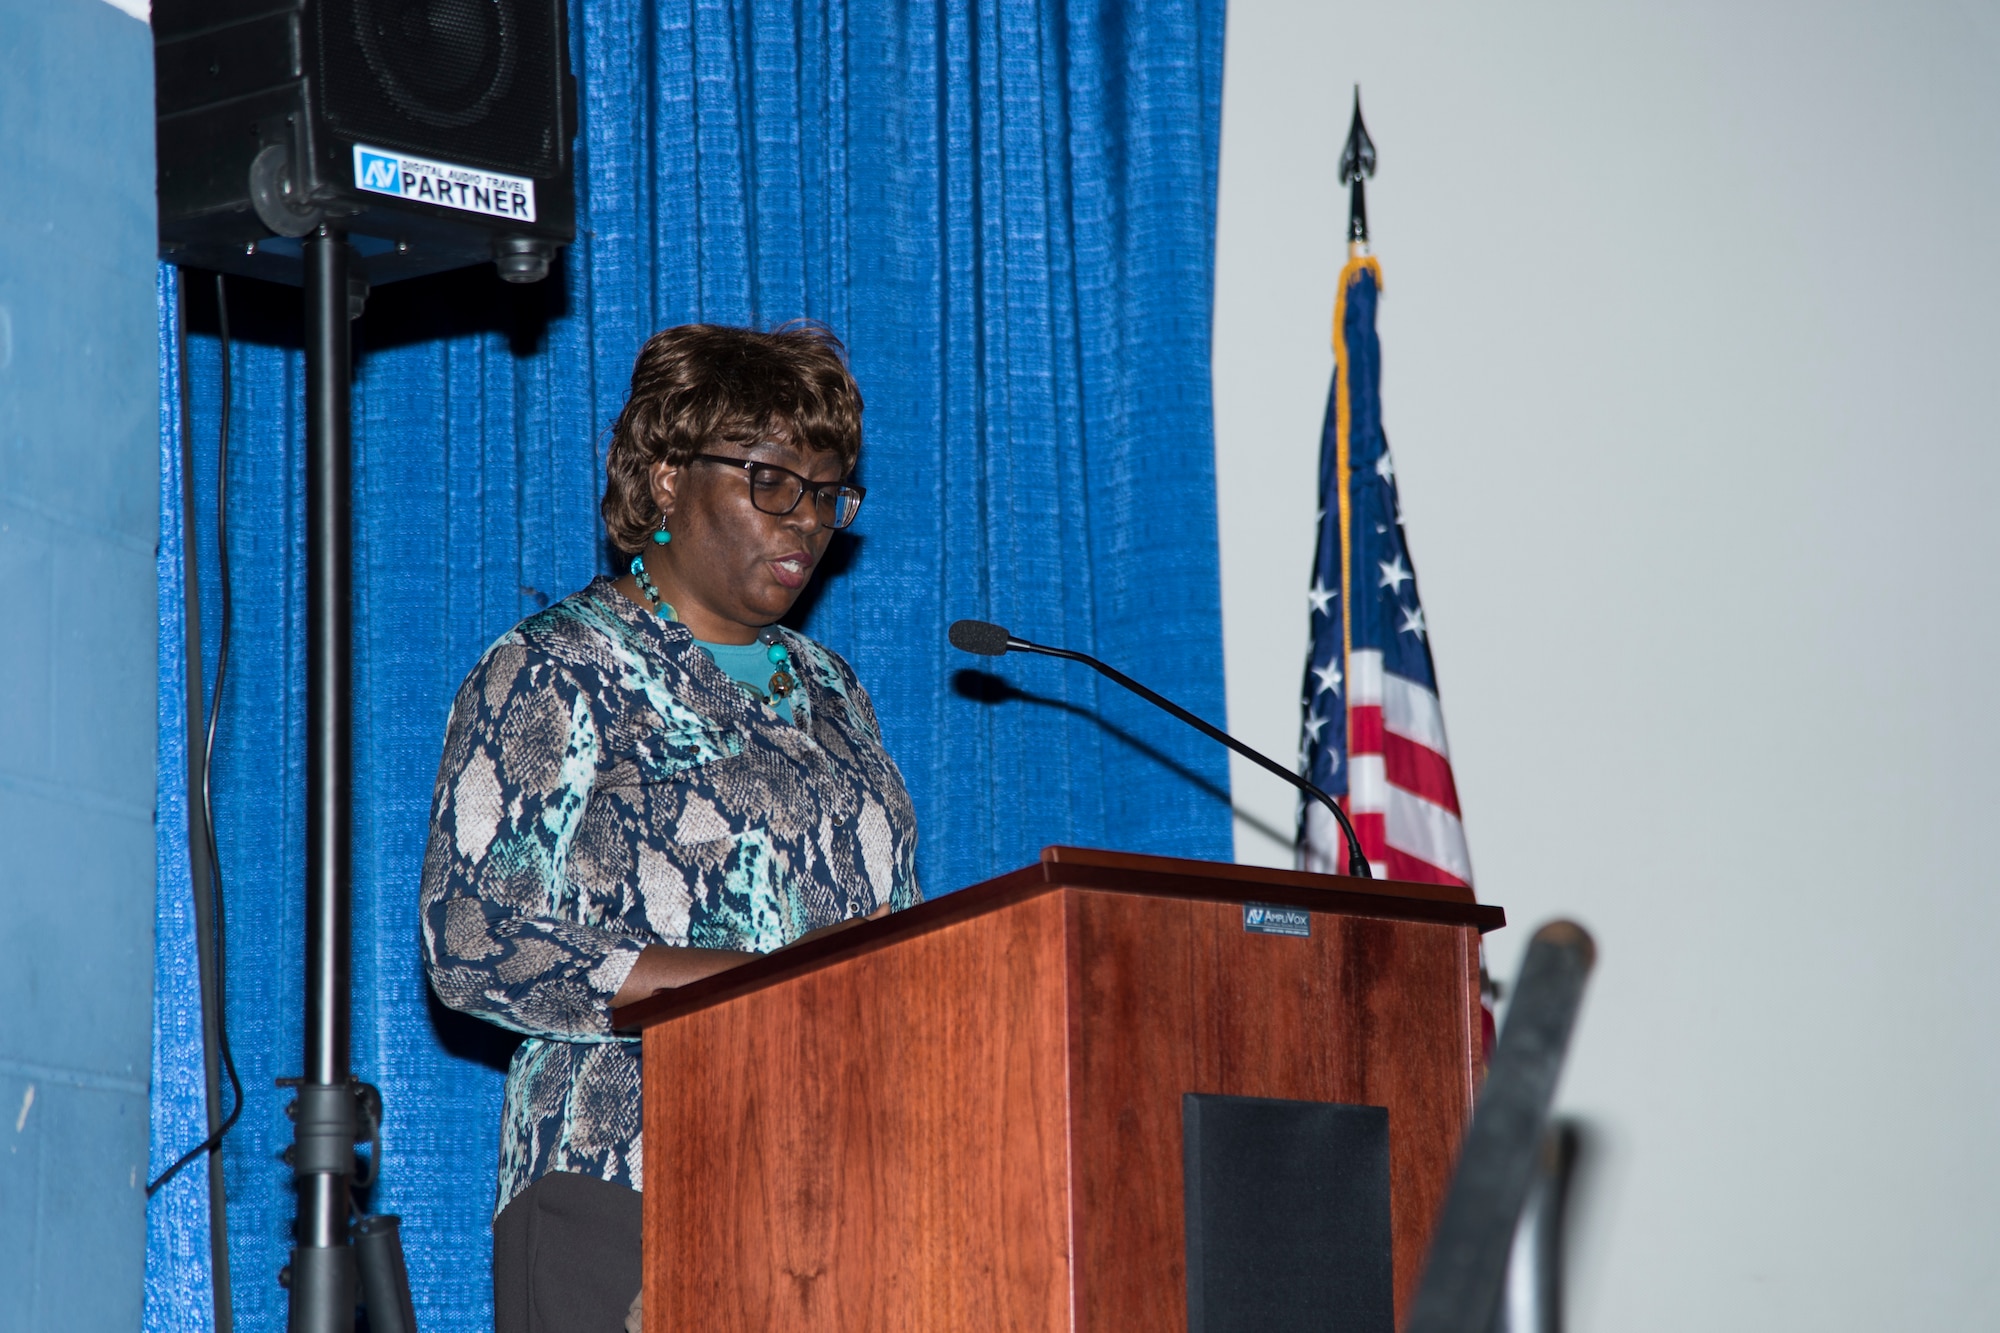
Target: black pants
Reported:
[(566, 1257)]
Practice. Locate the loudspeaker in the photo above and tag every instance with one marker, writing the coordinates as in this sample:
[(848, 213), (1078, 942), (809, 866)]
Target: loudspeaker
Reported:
[(1287, 1216), (435, 133)]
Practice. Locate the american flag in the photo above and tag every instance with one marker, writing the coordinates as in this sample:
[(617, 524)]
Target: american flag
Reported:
[(1373, 732)]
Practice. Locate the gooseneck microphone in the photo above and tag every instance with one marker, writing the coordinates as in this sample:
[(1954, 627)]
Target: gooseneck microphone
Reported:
[(977, 636)]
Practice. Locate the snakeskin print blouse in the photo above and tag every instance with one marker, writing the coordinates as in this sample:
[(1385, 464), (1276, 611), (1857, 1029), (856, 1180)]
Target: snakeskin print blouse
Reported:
[(605, 787)]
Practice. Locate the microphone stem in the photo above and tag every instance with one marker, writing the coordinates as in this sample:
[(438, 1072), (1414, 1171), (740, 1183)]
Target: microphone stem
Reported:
[(1357, 864)]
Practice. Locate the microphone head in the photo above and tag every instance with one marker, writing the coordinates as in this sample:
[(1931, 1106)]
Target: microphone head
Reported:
[(976, 636)]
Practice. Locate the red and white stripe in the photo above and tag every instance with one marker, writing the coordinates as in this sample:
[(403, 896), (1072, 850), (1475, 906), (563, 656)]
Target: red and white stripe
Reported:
[(1400, 792)]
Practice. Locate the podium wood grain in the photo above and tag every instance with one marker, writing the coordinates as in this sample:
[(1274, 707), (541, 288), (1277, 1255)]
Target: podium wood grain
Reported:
[(968, 1116)]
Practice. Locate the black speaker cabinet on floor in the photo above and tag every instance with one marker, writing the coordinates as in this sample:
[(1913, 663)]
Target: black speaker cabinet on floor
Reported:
[(434, 133)]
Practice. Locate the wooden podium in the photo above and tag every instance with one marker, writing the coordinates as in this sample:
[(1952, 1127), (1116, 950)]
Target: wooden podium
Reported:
[(968, 1115)]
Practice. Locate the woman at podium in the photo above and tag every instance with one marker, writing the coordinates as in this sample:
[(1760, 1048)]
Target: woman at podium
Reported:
[(652, 781)]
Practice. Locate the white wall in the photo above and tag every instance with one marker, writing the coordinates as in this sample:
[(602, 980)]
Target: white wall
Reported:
[(1690, 328)]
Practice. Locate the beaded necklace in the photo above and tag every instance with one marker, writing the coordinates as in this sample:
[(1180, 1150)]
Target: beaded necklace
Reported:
[(782, 681)]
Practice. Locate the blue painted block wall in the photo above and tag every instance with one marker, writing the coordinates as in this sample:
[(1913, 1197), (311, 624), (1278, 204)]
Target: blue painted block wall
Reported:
[(79, 466)]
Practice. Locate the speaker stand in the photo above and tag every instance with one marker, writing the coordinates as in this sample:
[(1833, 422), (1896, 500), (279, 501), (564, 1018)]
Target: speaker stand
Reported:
[(326, 1119)]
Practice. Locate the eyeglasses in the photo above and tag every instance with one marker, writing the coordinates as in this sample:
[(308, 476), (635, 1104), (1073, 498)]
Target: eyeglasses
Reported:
[(777, 490)]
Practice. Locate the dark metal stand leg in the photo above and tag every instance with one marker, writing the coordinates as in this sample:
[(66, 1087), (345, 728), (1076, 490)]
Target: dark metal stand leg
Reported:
[(385, 1280), (1467, 1267), (322, 1268)]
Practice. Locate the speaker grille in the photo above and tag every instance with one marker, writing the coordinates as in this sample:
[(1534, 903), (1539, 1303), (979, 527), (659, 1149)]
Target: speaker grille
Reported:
[(473, 81), (1287, 1216)]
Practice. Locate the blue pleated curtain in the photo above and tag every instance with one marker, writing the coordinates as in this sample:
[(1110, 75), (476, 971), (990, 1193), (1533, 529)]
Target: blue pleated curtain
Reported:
[(1006, 209)]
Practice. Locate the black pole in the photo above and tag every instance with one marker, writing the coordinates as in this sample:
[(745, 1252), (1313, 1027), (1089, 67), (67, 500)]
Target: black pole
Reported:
[(322, 1277), (1466, 1270)]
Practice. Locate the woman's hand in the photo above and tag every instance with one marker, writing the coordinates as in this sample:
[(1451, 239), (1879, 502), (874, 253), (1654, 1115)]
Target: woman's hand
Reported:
[(839, 926), (664, 967)]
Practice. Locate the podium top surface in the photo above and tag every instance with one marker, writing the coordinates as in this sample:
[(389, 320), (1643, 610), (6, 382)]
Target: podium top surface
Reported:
[(1090, 869)]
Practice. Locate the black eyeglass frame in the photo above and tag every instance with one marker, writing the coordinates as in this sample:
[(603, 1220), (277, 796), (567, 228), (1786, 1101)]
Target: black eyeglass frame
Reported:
[(806, 484)]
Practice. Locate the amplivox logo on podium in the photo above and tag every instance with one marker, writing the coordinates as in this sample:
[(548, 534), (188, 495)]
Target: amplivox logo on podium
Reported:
[(1266, 919), (443, 183)]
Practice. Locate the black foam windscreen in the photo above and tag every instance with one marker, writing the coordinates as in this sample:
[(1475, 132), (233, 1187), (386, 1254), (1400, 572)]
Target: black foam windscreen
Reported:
[(978, 636), (1287, 1216)]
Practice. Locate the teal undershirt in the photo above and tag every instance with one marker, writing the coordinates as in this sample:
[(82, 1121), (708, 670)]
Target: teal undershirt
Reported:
[(748, 664)]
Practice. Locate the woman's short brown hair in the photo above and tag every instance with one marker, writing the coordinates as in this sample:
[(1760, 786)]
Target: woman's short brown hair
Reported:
[(700, 385)]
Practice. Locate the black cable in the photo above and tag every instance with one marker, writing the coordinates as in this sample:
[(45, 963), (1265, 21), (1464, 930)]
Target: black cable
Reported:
[(214, 1141)]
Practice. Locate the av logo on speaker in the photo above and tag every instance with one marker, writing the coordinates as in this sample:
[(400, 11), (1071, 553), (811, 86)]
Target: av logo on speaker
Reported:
[(373, 171)]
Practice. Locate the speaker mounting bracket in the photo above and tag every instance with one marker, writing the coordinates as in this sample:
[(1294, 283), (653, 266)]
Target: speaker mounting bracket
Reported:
[(277, 202)]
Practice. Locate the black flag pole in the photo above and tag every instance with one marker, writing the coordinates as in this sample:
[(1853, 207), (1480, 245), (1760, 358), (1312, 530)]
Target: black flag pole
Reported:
[(1357, 163)]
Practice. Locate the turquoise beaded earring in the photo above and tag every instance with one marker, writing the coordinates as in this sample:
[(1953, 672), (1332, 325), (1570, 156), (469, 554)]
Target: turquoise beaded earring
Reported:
[(661, 606)]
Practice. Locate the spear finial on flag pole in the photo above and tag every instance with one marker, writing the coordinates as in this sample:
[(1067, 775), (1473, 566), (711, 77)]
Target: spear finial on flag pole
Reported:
[(1357, 162)]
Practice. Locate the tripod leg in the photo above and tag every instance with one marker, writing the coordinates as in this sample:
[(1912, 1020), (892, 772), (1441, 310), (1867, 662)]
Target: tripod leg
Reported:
[(385, 1280)]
